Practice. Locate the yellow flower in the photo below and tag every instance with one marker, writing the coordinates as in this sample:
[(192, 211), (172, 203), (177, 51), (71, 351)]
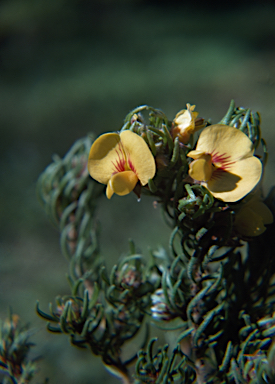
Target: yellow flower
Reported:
[(120, 161), (252, 217), (185, 124), (224, 163)]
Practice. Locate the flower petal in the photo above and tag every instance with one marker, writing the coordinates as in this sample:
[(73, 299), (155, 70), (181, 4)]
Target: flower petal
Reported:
[(139, 156), (262, 210), (234, 185), (249, 223), (185, 119), (103, 155), (109, 190), (201, 169), (253, 215), (225, 140), (196, 154), (121, 183)]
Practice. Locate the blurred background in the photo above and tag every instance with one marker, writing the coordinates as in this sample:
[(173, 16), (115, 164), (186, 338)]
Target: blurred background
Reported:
[(70, 67)]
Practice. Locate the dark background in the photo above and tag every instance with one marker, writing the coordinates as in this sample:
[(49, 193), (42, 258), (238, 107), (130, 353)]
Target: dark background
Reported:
[(72, 67)]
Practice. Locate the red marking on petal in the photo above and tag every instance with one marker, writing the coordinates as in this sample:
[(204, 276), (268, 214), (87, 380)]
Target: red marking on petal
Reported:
[(123, 161), (120, 161), (131, 165), (221, 161)]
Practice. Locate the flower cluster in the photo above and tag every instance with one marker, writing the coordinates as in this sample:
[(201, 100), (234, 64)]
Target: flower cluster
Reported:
[(223, 162), (208, 185)]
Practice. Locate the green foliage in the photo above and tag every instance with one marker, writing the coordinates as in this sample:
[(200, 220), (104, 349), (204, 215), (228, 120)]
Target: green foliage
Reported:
[(15, 365), (162, 367)]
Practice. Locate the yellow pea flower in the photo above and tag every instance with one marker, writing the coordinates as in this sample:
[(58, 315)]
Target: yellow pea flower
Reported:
[(251, 218), (185, 124), (224, 163), (120, 161)]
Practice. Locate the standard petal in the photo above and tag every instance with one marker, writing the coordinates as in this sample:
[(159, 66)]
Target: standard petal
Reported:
[(234, 185), (139, 156), (104, 154), (122, 183), (225, 141)]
